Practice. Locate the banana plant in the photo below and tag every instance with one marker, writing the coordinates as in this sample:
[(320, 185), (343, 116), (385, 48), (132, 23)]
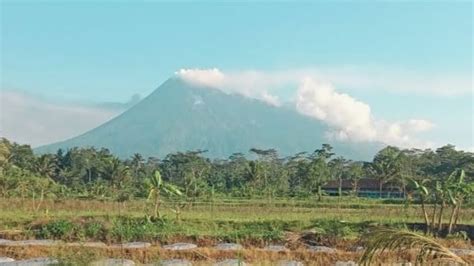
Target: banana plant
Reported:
[(177, 210), (441, 189), (156, 185), (458, 191), (449, 192), (422, 190)]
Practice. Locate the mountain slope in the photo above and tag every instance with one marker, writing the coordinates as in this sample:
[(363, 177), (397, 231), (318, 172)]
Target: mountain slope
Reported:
[(181, 117)]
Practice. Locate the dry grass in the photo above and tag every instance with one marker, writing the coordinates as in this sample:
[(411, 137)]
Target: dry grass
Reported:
[(384, 239), (201, 256)]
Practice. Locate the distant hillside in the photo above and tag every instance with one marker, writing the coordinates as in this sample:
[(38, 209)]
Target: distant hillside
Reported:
[(181, 117)]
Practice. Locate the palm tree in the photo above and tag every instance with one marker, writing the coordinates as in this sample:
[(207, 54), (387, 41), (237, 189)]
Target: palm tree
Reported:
[(385, 166), (114, 171), (155, 186), (137, 164), (381, 240), (45, 165)]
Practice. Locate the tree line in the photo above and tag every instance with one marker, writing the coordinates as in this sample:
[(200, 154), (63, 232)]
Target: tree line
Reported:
[(97, 173)]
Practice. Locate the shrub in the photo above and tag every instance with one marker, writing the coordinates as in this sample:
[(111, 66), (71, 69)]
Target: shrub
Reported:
[(333, 228), (59, 229), (127, 229), (94, 230)]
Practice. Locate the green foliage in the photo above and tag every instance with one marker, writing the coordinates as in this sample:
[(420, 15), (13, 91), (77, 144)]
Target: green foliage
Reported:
[(94, 230), (129, 229), (90, 173), (61, 229), (267, 231), (230, 219), (334, 228), (156, 185)]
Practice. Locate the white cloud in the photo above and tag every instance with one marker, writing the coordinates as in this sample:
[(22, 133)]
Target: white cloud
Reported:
[(250, 84), (419, 125), (213, 78), (391, 79), (351, 119), (32, 120), (270, 99), (404, 133)]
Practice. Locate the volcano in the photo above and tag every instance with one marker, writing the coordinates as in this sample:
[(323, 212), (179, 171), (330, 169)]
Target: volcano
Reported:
[(179, 116)]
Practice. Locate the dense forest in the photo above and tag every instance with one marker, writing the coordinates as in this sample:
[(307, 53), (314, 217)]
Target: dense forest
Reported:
[(97, 173)]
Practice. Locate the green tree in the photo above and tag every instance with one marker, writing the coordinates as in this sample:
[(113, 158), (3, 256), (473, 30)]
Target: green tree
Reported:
[(46, 165), (21, 156), (318, 172), (296, 167), (5, 153), (137, 165), (189, 170), (238, 171), (116, 172), (265, 171), (385, 166), (339, 171), (355, 172)]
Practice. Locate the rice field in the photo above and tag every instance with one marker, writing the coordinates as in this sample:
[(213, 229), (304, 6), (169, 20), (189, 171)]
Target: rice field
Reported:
[(254, 223)]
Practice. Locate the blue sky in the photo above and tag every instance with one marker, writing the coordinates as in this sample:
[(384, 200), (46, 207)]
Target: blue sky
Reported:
[(106, 51)]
